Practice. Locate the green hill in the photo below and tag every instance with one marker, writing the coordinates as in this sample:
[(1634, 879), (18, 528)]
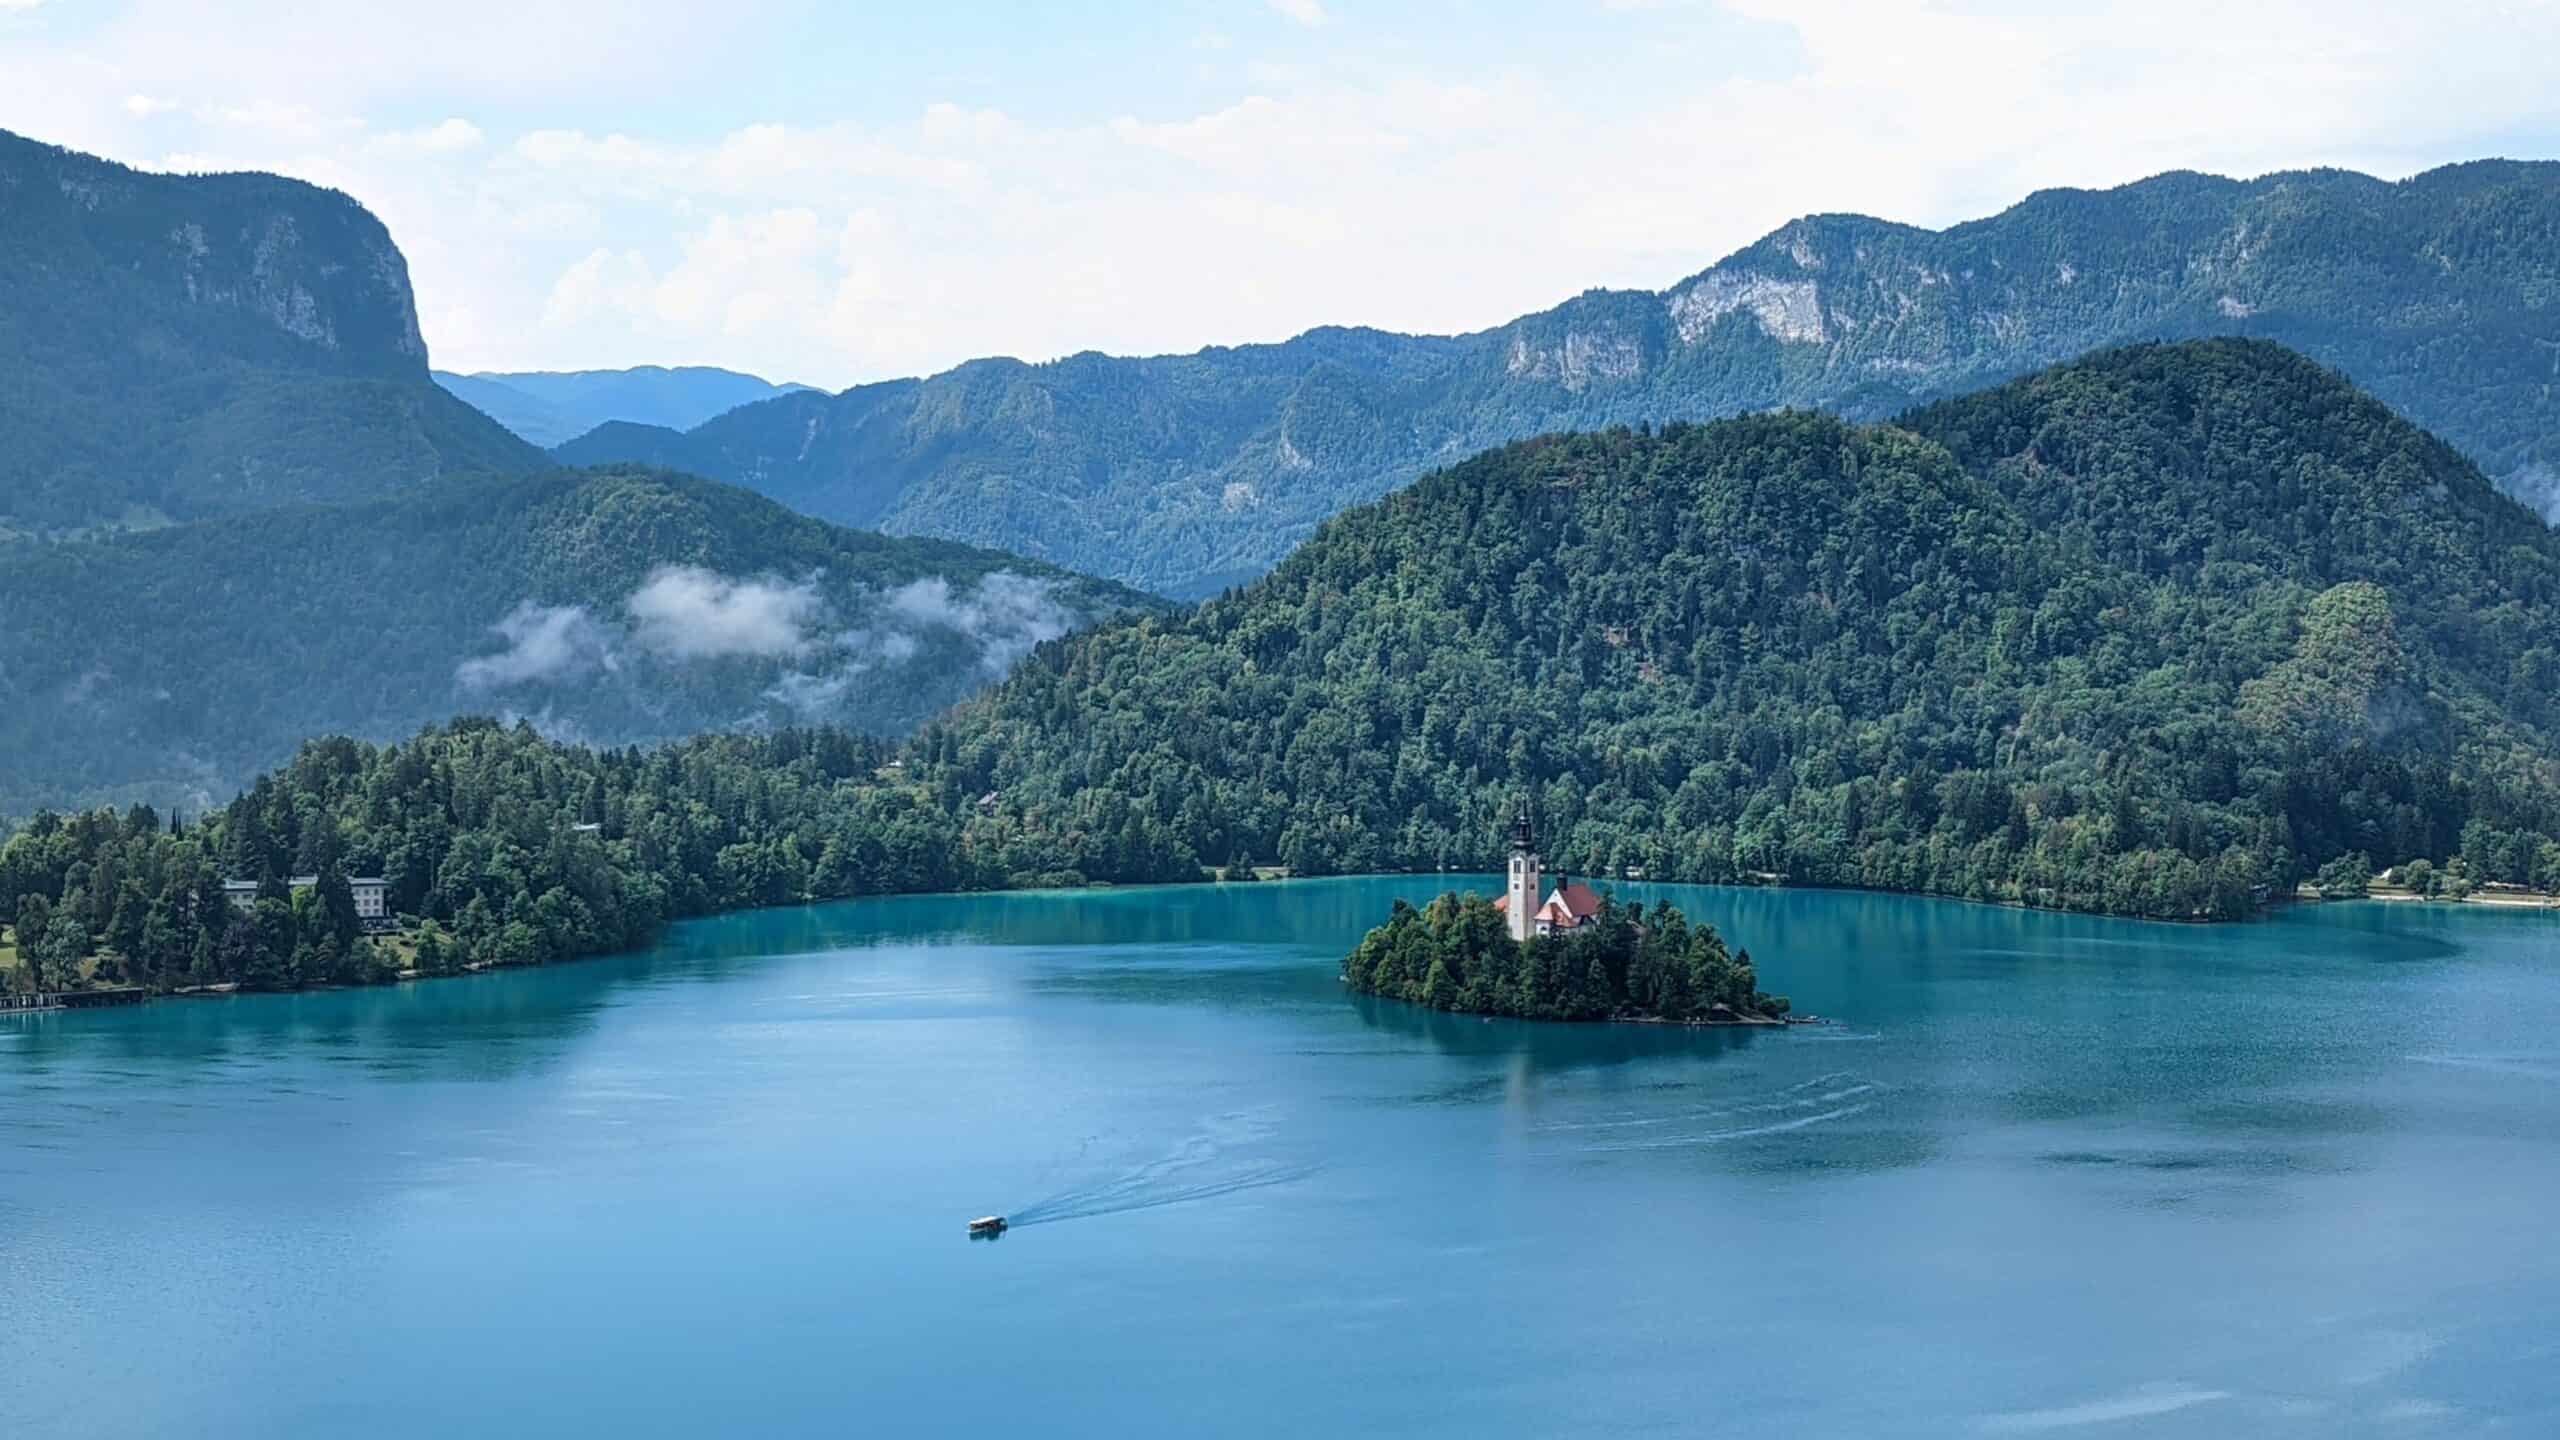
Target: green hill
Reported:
[(2439, 294), (612, 607), (2154, 633), (179, 347)]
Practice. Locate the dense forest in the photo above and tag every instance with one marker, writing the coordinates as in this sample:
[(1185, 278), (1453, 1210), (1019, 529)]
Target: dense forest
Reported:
[(170, 667), (174, 347), (511, 848), (1183, 473), (2158, 633), (1623, 964), (2164, 632)]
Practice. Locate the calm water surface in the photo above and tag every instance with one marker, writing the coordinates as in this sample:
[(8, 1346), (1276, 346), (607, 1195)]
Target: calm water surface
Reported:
[(2052, 1174)]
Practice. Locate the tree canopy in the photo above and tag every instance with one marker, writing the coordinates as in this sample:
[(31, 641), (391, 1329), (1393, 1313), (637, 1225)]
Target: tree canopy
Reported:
[(2156, 633)]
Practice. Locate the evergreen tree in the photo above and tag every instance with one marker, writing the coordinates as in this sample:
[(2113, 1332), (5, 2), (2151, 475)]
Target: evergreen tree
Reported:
[(35, 918)]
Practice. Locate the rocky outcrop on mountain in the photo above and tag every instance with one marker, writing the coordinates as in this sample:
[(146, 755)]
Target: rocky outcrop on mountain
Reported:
[(177, 346)]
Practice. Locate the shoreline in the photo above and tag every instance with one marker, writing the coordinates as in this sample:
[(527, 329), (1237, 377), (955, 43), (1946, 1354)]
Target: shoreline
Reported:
[(411, 976), (1733, 1020), (2502, 902)]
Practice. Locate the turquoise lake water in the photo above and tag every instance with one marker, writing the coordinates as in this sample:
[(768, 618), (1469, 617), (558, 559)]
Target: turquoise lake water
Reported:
[(2049, 1175)]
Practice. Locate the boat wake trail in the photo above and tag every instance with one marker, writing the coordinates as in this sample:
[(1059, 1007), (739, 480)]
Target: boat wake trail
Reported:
[(1710, 1137), (1821, 1090), (1822, 1099), (1205, 1166), (2528, 1067)]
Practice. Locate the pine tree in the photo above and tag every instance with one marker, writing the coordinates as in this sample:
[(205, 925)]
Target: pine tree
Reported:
[(35, 916)]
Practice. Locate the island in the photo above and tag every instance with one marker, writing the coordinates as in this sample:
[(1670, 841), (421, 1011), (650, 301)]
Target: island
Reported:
[(1615, 963)]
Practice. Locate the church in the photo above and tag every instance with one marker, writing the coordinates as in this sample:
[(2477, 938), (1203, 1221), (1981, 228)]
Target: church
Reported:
[(1567, 907)]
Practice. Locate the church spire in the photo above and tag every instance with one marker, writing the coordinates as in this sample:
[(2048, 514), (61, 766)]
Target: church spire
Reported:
[(1524, 893)]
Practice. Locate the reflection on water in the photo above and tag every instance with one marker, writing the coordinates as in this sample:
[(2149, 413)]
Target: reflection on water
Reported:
[(2046, 1172)]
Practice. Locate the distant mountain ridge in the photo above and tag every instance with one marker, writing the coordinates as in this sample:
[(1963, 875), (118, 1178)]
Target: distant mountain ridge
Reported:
[(548, 407), (174, 347), (617, 606), (2440, 294)]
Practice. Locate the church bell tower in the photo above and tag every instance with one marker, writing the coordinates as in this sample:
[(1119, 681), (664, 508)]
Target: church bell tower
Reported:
[(1520, 908)]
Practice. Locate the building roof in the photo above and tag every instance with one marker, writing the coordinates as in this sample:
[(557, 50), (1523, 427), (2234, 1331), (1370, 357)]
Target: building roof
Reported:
[(1580, 899), (1570, 906)]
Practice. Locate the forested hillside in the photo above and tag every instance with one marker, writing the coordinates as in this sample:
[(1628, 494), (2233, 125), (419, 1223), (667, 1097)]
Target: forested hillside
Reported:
[(2154, 633), (2439, 294), (617, 606), (174, 347), (2160, 633), (548, 407), (480, 830)]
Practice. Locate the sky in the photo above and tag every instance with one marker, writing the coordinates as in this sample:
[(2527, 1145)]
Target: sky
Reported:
[(841, 192)]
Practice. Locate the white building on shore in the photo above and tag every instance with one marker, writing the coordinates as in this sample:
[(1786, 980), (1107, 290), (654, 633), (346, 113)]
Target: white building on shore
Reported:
[(372, 892)]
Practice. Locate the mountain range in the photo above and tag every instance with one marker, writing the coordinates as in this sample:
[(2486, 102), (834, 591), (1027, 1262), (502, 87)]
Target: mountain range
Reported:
[(236, 509), (178, 347), (2440, 294), (547, 407), (2156, 631)]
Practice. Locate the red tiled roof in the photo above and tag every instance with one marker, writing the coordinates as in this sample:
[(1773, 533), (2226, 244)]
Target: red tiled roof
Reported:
[(1581, 900), (1570, 905)]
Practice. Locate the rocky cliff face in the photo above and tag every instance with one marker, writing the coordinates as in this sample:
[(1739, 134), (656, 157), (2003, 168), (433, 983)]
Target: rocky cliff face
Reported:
[(174, 346), (1846, 312), (262, 257)]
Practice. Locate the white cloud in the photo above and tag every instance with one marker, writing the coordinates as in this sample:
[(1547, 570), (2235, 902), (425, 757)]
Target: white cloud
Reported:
[(1004, 613), (279, 121), (545, 644), (450, 137), (689, 613), (814, 698), (1305, 12), (1235, 198)]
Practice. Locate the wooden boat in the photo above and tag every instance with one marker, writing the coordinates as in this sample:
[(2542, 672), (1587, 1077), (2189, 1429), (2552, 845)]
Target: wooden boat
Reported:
[(987, 1226)]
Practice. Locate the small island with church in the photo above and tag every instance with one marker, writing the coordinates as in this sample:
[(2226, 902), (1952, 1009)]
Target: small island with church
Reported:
[(1572, 955)]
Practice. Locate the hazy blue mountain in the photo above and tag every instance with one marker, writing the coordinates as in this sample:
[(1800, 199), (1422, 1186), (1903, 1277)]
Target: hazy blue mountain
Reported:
[(613, 606), (548, 407), (2439, 294), (175, 347)]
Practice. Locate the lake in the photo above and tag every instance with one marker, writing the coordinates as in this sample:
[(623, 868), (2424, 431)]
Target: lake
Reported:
[(2049, 1174)]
